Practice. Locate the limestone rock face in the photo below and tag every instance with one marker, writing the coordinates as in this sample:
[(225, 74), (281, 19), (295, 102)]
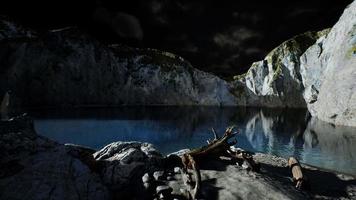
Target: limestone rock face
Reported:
[(328, 70), (33, 167), (69, 68), (276, 80), (124, 164)]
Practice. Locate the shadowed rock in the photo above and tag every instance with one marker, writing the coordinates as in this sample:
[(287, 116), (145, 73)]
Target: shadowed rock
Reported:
[(73, 69)]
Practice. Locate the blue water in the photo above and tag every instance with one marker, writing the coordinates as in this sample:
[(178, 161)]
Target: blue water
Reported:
[(281, 132)]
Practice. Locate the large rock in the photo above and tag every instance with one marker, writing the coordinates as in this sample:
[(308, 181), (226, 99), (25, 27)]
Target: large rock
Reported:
[(276, 80), (329, 73), (124, 164), (67, 67), (33, 167)]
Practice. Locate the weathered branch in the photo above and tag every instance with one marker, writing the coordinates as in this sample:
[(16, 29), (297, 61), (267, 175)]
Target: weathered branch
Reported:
[(217, 146), (215, 135), (298, 178)]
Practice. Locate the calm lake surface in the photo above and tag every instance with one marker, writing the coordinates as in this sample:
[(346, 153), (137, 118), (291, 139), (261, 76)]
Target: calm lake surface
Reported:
[(281, 132)]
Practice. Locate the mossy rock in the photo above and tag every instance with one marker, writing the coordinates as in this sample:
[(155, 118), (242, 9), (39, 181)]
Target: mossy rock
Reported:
[(295, 46)]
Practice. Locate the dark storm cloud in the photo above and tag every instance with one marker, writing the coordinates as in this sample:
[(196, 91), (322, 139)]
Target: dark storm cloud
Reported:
[(123, 24)]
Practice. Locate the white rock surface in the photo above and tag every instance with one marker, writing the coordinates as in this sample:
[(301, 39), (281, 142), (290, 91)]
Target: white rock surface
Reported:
[(123, 165), (328, 71), (276, 80)]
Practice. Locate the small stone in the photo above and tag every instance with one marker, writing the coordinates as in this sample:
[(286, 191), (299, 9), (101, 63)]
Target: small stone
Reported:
[(177, 170), (158, 175), (169, 178), (161, 196), (164, 189), (246, 165), (183, 191), (146, 185), (146, 178)]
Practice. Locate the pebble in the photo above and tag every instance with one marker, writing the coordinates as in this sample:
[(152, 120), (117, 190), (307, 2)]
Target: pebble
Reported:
[(146, 178), (169, 178), (161, 196), (164, 190), (246, 166), (183, 190), (177, 170), (146, 185), (158, 175)]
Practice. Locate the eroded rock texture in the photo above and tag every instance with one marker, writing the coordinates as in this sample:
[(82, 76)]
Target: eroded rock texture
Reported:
[(329, 73), (124, 163), (276, 80), (69, 68)]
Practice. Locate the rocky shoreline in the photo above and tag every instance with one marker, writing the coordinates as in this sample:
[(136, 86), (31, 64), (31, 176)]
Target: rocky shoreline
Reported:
[(34, 167)]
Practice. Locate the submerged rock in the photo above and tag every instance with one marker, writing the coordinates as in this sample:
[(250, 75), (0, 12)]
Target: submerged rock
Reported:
[(328, 70), (276, 80)]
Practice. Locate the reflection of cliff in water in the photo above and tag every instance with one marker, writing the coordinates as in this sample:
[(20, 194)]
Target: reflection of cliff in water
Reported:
[(268, 129), (291, 133), (169, 128), (282, 132), (337, 142)]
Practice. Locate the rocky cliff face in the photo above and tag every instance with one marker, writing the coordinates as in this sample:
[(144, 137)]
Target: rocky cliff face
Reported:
[(316, 70), (66, 67), (276, 80), (328, 71)]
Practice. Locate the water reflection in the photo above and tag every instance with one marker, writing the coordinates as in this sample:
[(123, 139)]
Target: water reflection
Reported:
[(282, 132)]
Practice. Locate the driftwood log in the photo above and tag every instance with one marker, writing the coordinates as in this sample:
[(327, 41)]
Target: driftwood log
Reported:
[(218, 146), (299, 178)]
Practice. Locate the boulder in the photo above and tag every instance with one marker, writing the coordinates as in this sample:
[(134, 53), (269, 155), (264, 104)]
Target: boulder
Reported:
[(328, 70), (123, 165), (33, 167), (158, 175), (276, 80)]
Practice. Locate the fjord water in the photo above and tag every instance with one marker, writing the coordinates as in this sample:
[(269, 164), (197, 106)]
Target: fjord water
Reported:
[(281, 132)]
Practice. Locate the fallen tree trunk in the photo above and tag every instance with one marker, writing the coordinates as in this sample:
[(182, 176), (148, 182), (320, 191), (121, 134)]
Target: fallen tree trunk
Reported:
[(298, 178), (215, 148)]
